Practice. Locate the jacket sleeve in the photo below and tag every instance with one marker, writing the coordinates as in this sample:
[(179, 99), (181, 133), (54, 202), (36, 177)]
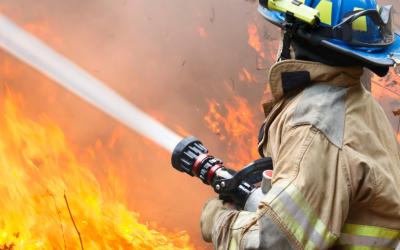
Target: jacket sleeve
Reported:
[(308, 202)]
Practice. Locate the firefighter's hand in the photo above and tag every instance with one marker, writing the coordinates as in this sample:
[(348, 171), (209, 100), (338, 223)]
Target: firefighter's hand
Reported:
[(212, 210)]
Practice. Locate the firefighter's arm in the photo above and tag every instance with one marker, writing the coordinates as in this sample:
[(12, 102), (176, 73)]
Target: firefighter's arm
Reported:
[(306, 206), (213, 211)]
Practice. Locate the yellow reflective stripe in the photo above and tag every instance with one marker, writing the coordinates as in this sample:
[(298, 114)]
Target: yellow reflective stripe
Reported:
[(237, 226), (339, 242), (309, 212), (292, 224), (299, 217), (369, 237), (369, 241), (371, 231), (325, 9), (360, 23)]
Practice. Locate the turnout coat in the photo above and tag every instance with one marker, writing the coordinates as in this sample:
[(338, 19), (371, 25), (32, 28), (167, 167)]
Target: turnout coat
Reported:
[(336, 181)]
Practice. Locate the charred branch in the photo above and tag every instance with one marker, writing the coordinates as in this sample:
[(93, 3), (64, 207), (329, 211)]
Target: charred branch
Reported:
[(386, 88), (72, 218), (212, 19)]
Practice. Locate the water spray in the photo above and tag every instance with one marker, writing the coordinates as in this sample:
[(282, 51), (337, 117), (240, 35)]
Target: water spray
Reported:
[(35, 53)]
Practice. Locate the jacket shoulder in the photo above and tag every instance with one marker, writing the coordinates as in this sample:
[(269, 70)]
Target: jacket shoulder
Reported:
[(323, 107)]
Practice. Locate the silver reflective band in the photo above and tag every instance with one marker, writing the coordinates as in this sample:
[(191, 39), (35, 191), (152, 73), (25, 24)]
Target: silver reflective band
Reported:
[(369, 241), (298, 215), (303, 220)]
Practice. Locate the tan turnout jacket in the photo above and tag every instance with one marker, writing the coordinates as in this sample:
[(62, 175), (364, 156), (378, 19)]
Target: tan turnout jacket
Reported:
[(336, 181)]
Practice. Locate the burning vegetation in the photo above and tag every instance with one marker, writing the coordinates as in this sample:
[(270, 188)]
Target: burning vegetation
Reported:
[(39, 172)]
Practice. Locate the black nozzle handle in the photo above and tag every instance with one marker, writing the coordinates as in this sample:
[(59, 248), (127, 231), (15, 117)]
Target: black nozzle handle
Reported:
[(232, 183)]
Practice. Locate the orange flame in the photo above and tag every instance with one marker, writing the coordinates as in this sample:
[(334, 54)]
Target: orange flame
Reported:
[(254, 39), (114, 137), (239, 128), (38, 165)]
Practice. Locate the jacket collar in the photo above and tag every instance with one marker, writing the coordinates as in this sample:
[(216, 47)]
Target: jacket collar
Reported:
[(319, 74)]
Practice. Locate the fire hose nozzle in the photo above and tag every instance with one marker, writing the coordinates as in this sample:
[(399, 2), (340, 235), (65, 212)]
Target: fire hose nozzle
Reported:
[(191, 157)]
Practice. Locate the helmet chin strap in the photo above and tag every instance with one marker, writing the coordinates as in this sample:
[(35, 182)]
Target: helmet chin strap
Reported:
[(289, 26), (285, 55)]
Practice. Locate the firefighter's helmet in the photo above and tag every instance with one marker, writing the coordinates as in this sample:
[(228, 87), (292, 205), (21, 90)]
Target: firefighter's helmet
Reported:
[(356, 28)]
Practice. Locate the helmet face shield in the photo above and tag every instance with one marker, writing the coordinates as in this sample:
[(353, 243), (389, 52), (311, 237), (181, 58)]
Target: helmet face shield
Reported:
[(387, 15), (367, 28)]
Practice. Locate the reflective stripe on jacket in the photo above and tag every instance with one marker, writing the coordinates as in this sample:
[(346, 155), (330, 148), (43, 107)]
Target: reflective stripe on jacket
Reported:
[(336, 182)]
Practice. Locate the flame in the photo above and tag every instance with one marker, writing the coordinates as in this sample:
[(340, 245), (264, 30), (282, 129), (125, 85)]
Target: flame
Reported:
[(238, 127), (254, 39), (248, 76), (38, 166), (114, 137)]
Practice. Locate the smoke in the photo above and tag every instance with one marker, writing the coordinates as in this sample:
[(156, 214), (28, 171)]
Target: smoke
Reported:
[(166, 57)]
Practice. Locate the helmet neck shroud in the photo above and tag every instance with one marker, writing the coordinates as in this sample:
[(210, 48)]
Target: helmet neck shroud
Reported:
[(306, 51)]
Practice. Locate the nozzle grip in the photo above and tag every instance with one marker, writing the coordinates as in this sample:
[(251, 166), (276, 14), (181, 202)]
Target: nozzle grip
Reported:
[(232, 183)]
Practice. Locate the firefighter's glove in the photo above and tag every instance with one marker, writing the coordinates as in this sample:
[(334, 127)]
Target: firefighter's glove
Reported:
[(212, 210)]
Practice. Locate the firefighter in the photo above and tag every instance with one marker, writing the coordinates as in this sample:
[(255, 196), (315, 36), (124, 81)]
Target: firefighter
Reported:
[(336, 180)]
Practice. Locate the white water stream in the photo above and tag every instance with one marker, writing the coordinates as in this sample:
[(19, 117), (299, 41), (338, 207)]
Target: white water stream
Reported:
[(41, 57)]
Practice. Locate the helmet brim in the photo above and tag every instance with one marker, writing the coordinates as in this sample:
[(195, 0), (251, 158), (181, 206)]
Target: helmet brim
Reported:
[(380, 57)]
